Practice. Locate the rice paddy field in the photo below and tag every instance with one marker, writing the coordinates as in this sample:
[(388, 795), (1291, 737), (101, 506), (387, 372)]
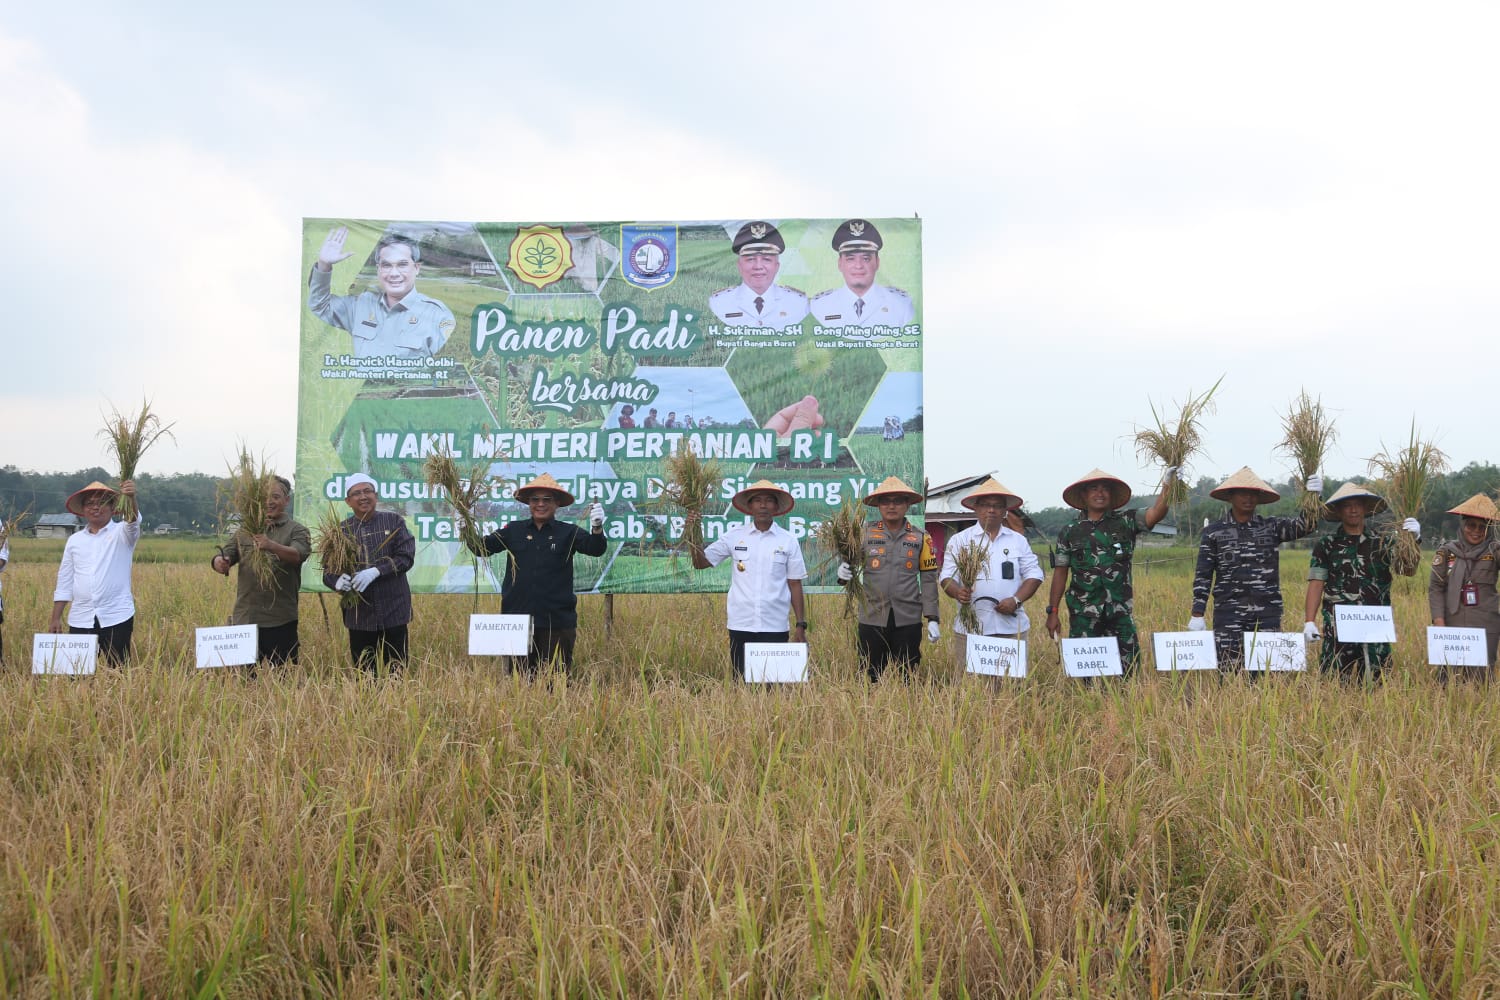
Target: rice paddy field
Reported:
[(645, 827)]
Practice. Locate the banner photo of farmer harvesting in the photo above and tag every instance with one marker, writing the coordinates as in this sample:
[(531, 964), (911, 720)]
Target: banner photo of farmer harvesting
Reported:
[(603, 354)]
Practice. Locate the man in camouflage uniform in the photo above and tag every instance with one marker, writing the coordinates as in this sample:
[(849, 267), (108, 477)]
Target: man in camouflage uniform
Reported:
[(1238, 563), (1096, 552), (900, 580), (1353, 566)]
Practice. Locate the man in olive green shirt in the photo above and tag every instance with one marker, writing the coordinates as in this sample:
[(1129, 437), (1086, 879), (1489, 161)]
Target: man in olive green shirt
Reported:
[(270, 605)]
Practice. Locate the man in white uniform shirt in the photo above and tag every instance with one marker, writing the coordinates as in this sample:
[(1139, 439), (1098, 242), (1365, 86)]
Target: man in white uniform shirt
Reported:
[(758, 301), (95, 573), (1011, 573), (766, 583), (859, 301)]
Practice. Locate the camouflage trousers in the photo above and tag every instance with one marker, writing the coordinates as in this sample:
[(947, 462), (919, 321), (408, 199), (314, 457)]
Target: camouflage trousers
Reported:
[(1346, 660), (1229, 636), (1110, 619)]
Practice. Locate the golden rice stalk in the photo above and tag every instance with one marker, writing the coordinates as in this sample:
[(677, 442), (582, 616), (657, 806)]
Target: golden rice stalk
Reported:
[(970, 560), (841, 539), (129, 437), (336, 550), (463, 489), (690, 482), (1405, 479), (1176, 443), (11, 524), (1309, 435), (248, 492)]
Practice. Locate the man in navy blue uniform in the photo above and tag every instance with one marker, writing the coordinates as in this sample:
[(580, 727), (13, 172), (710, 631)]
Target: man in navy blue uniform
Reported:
[(539, 578)]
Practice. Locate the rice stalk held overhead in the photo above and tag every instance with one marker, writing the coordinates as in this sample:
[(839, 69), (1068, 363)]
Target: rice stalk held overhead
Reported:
[(1309, 433), (1405, 480), (1174, 443), (129, 438)]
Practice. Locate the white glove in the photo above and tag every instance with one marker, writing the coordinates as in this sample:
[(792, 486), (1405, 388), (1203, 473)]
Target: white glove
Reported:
[(1170, 475), (1197, 624), (364, 578), (932, 632), (1413, 525), (1315, 484), (343, 583), (1310, 632), (846, 572), (596, 516)]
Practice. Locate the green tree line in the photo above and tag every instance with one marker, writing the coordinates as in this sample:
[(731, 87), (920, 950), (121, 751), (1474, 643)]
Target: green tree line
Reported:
[(188, 501)]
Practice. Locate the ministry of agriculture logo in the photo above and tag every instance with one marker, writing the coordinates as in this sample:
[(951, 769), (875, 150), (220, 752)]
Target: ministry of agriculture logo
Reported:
[(650, 255), (540, 255)]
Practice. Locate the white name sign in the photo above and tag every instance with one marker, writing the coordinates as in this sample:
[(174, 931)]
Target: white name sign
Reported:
[(997, 657), (1092, 657), (775, 662), (499, 635), (227, 646), (1361, 623), (63, 654), (1185, 651), (1275, 651), (1457, 647)]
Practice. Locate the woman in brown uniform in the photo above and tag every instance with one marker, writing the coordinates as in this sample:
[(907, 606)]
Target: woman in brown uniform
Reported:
[(1461, 592)]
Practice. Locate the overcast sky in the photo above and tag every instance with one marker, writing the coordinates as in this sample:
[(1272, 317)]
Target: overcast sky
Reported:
[(1121, 202)]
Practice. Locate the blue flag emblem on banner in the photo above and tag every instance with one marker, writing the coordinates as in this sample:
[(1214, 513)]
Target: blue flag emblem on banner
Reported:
[(650, 255)]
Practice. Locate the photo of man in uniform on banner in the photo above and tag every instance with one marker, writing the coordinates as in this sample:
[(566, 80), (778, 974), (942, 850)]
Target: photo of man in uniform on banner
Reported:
[(397, 321)]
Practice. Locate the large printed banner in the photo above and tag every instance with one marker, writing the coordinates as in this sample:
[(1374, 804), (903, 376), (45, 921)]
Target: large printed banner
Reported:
[(787, 349)]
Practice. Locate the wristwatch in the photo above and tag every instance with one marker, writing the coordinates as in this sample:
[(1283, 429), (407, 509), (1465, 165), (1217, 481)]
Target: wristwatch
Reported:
[(802, 625), (1051, 609)]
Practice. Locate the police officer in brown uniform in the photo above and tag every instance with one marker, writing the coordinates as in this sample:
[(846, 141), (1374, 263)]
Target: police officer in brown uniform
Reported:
[(900, 578)]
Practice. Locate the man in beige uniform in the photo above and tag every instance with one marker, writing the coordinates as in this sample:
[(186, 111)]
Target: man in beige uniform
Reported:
[(900, 578)]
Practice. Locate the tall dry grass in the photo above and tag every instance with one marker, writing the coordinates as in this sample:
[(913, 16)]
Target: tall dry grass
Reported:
[(645, 827)]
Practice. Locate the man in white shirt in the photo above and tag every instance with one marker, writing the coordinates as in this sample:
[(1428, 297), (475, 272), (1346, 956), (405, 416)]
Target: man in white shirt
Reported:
[(1010, 575), (766, 583), (95, 572)]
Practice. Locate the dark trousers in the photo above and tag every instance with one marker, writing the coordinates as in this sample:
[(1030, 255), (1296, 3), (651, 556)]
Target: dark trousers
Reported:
[(1229, 639), (114, 640), (882, 645), (277, 644), (737, 642), (550, 645), (370, 647)]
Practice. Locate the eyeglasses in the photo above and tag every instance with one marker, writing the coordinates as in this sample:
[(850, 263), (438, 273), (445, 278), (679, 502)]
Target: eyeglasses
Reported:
[(365, 492), (542, 498)]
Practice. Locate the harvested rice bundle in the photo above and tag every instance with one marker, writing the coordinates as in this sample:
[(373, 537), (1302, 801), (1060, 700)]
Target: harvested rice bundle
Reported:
[(841, 539), (1406, 477), (337, 550), (128, 438), (248, 492), (690, 483), (970, 560), (464, 491), (1309, 435), (1174, 445)]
